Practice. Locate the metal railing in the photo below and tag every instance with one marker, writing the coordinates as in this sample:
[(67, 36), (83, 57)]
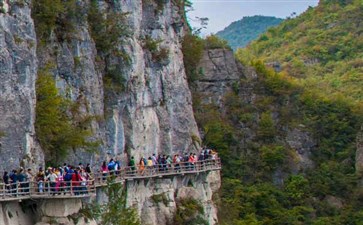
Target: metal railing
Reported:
[(47, 189), (159, 170), (81, 189)]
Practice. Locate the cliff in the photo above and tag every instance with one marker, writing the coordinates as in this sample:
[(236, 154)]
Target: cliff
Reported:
[(152, 115), (130, 86), (19, 65), (281, 144)]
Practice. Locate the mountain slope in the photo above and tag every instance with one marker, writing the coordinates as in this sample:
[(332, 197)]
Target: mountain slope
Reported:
[(288, 140), (322, 48), (241, 32)]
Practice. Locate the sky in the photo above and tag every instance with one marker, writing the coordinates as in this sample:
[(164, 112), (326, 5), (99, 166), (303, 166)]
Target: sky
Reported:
[(221, 13)]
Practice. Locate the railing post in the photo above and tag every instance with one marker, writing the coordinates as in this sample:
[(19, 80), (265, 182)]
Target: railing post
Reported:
[(71, 186), (30, 188), (4, 190)]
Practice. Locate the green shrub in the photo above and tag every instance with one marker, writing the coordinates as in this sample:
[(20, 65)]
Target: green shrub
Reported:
[(45, 14), (160, 198), (161, 55), (192, 48), (153, 46), (109, 31), (297, 188), (214, 42), (272, 156), (55, 16), (189, 212), (160, 5), (115, 211), (266, 128), (59, 125)]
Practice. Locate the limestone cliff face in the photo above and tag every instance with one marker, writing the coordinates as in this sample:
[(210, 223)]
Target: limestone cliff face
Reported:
[(153, 114), (220, 72), (18, 72), (157, 200)]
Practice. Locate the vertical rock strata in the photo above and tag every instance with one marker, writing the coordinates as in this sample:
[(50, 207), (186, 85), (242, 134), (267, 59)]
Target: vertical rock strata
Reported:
[(157, 200), (152, 115), (18, 69), (220, 72)]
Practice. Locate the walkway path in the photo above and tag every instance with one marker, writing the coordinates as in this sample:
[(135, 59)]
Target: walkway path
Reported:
[(78, 189)]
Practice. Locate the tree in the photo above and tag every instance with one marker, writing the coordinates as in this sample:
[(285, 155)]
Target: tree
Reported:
[(115, 211)]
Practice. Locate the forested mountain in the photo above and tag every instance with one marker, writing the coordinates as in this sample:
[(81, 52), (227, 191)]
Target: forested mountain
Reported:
[(323, 47), (241, 32), (289, 129)]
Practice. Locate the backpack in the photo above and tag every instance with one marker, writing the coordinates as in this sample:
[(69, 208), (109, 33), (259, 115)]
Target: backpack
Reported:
[(111, 166), (68, 176)]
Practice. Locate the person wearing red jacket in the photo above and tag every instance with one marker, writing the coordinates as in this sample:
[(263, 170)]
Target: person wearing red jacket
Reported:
[(76, 181)]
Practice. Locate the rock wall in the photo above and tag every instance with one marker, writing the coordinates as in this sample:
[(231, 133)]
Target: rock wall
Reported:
[(18, 72), (220, 72), (14, 213), (44, 212), (157, 199), (152, 115)]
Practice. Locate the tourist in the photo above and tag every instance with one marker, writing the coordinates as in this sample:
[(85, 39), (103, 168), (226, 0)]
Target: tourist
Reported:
[(104, 170), (6, 180), (132, 165), (84, 178), (76, 181), (40, 178), (52, 180), (176, 162), (150, 165), (111, 166), (29, 177), (117, 166), (141, 166), (154, 159), (13, 179), (88, 168), (67, 179)]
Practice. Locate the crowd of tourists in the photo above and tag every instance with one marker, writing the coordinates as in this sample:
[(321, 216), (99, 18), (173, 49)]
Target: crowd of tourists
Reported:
[(164, 163), (54, 180), (76, 179)]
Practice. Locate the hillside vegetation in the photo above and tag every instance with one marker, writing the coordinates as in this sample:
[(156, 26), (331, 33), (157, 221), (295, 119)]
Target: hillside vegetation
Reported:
[(240, 33), (323, 48), (315, 98), (262, 182)]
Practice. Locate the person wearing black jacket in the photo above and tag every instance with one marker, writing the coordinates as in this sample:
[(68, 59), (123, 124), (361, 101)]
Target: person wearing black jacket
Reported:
[(14, 180), (6, 179)]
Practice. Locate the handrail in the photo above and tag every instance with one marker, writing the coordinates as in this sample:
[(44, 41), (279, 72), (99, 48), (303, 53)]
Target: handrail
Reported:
[(158, 170), (47, 189), (80, 189)]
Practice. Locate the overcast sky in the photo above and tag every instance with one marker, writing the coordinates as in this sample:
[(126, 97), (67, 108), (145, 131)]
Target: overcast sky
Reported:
[(223, 12)]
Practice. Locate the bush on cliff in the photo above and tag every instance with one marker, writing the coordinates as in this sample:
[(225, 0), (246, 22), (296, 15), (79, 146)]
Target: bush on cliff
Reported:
[(59, 125), (115, 211)]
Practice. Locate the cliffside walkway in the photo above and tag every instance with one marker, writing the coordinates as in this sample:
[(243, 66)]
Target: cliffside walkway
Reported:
[(84, 189)]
